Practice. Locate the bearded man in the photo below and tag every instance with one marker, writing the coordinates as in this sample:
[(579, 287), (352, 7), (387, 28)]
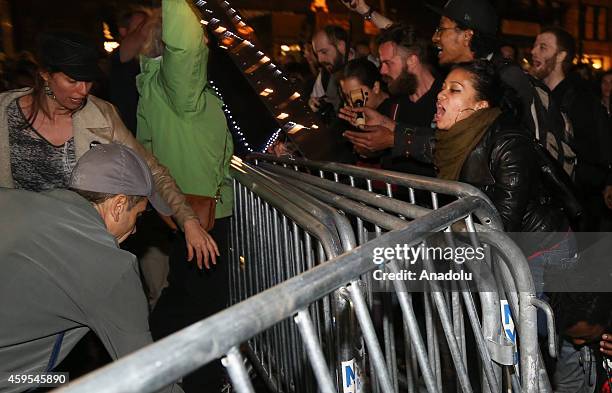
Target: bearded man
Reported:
[(413, 89), (552, 55), (330, 45), (405, 69), (412, 86)]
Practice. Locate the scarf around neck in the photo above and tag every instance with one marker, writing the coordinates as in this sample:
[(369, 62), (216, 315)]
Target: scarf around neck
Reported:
[(454, 145)]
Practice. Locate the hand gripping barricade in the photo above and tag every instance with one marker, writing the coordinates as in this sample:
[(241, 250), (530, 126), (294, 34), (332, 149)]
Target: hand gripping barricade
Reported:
[(304, 304)]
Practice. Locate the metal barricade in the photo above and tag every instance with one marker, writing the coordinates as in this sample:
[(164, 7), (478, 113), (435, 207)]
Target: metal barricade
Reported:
[(365, 178), (298, 281), (495, 306), (163, 362), (278, 233)]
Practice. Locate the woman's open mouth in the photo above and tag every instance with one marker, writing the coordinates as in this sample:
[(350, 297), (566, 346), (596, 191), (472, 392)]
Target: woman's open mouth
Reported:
[(440, 111)]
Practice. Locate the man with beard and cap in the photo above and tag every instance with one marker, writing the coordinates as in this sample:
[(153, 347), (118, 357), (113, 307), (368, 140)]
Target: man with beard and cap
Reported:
[(331, 47), (552, 55), (413, 89)]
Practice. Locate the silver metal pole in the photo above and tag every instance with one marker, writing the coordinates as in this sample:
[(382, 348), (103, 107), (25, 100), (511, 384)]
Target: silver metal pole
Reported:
[(238, 374), (317, 361)]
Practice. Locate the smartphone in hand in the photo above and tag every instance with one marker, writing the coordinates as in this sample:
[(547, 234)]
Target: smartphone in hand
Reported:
[(358, 99)]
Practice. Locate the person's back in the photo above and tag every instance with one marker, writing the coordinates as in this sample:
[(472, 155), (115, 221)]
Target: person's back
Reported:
[(63, 272), (591, 131), (182, 123)]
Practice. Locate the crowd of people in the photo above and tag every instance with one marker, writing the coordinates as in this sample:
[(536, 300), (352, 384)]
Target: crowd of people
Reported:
[(457, 106), (165, 137), (536, 140)]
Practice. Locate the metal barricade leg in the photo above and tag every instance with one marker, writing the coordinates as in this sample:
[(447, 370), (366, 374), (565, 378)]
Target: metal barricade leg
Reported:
[(315, 354), (410, 320), (367, 327), (238, 374)]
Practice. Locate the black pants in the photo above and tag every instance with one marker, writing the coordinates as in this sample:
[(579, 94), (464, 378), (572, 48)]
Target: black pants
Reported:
[(193, 294)]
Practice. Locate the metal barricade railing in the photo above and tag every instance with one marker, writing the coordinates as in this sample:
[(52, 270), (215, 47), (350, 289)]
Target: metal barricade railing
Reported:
[(329, 186), (278, 233), (161, 363), (300, 283), (366, 178)]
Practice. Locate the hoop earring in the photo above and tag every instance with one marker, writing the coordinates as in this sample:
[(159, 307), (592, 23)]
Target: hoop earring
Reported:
[(48, 91), (463, 110)]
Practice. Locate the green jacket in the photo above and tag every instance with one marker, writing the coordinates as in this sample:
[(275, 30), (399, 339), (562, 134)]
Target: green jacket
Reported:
[(180, 119)]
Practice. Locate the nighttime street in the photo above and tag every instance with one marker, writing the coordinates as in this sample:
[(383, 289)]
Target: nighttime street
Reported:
[(350, 196)]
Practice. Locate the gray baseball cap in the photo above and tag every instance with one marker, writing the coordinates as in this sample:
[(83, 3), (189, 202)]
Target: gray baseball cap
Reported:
[(116, 169)]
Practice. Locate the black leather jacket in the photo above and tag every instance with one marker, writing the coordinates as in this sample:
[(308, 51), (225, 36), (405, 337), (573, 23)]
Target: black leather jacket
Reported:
[(505, 166)]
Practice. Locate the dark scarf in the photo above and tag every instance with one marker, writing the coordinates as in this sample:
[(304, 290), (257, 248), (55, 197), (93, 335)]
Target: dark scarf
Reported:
[(453, 146)]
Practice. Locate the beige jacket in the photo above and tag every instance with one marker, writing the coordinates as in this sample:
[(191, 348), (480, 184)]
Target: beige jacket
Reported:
[(97, 121)]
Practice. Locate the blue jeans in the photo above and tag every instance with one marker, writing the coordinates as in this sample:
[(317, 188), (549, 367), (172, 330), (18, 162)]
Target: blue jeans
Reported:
[(561, 256)]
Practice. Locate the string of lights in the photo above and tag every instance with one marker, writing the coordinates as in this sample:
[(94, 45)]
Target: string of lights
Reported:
[(251, 61), (271, 141), (233, 124)]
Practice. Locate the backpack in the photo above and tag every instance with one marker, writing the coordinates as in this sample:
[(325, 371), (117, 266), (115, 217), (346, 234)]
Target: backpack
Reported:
[(557, 185)]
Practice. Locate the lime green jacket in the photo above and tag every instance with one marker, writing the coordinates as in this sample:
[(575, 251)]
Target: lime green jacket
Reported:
[(180, 119)]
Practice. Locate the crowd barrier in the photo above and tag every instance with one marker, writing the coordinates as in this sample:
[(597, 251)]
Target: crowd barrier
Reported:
[(362, 185), (306, 315)]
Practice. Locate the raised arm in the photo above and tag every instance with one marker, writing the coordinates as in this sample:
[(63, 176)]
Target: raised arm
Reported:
[(363, 9), (185, 56)]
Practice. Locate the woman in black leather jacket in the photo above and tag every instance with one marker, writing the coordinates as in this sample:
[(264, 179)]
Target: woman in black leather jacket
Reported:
[(478, 143)]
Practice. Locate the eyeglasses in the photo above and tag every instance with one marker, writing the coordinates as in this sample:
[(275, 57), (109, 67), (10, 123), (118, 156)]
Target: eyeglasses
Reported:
[(439, 29)]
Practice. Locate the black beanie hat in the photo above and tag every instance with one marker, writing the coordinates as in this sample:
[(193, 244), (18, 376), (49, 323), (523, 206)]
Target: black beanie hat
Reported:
[(70, 53)]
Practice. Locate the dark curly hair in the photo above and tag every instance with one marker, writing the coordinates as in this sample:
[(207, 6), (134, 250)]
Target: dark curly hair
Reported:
[(481, 44), (489, 87), (574, 307)]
